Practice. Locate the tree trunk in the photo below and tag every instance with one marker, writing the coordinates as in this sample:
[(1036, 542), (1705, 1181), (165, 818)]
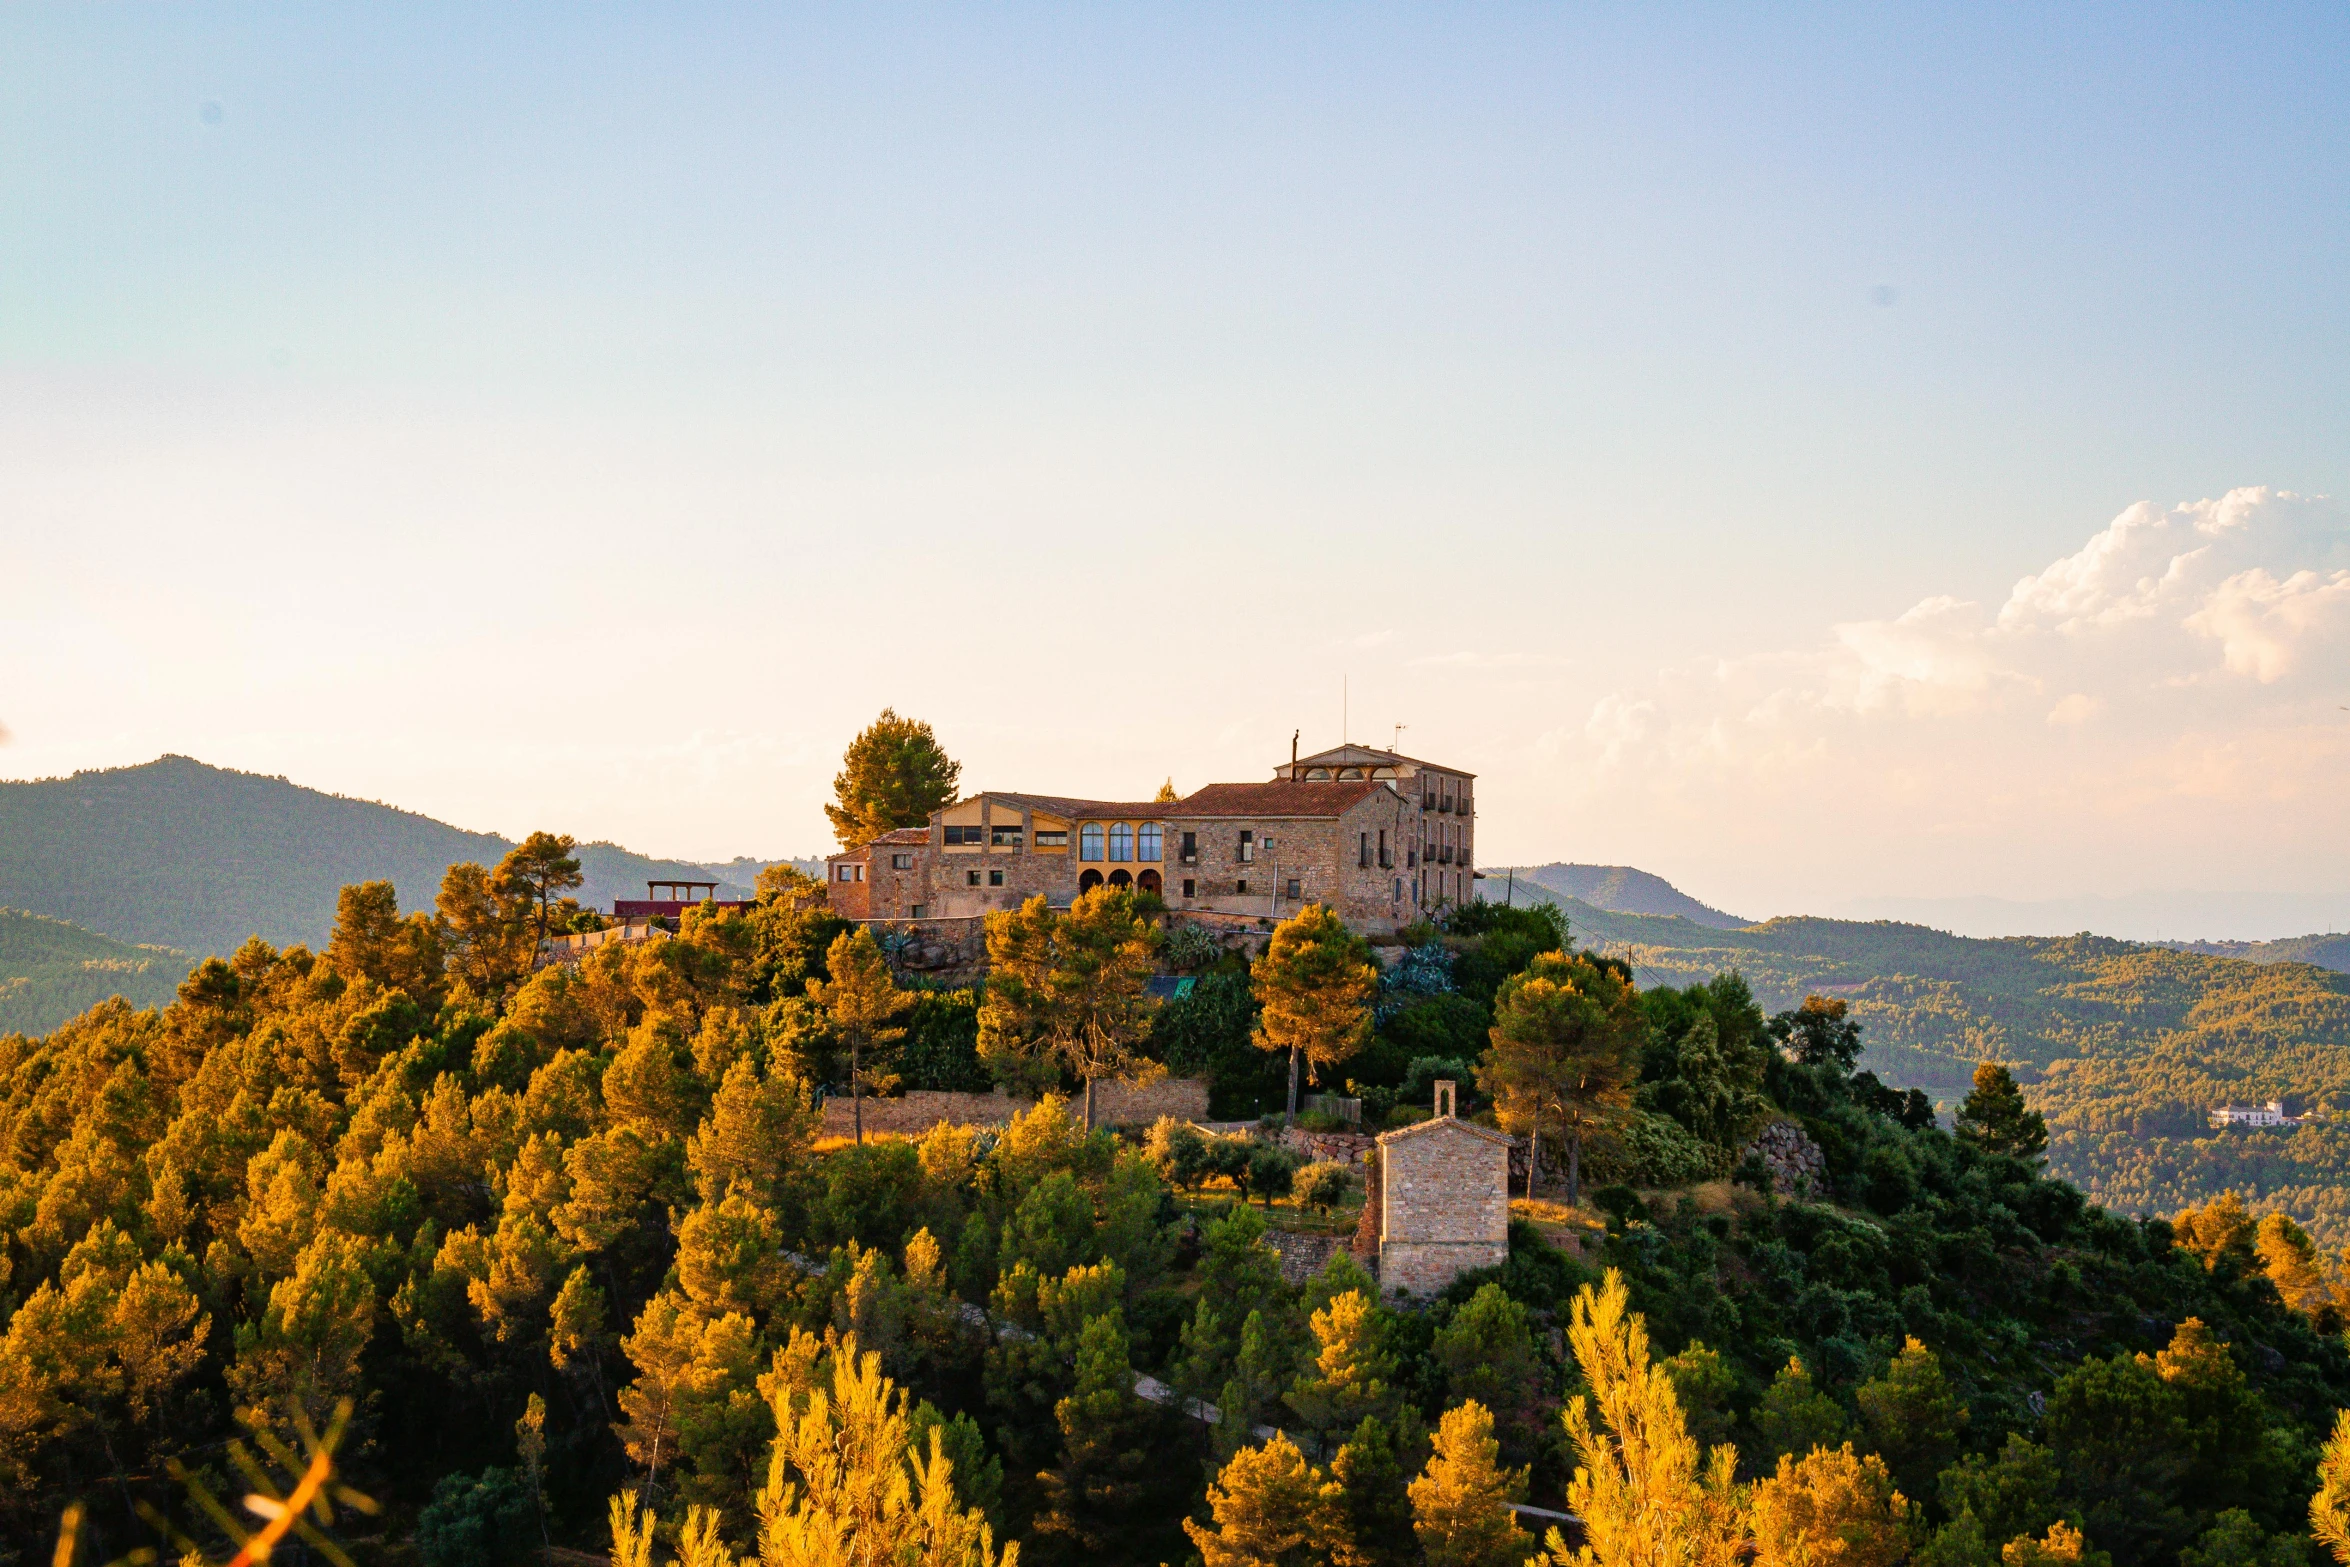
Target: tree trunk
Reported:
[(1533, 1151), (1089, 1105), (857, 1087), (1291, 1118), (1575, 1170)]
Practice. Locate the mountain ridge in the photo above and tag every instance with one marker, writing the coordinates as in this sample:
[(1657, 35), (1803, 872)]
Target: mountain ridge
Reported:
[(181, 854)]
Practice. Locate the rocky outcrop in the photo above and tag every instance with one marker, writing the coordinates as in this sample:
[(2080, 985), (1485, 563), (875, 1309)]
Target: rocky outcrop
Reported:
[(1797, 1167)]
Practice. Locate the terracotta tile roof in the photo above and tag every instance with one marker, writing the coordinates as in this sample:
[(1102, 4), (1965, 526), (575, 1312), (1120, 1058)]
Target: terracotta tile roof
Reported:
[(894, 835), (1278, 798), (1062, 805)]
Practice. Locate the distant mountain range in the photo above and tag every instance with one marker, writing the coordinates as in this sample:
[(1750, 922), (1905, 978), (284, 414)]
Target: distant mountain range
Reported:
[(182, 855), (1618, 888), (50, 971)]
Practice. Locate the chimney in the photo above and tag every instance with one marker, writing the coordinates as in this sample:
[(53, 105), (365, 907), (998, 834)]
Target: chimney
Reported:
[(1444, 1110)]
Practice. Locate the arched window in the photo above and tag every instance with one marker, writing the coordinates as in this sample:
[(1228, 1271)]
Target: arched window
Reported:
[(1317, 775), (1121, 841), (1121, 880), (1089, 841), (1089, 881), (1147, 849)]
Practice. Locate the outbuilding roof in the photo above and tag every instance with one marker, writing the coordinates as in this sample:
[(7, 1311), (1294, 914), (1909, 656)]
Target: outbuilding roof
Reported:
[(1423, 1128), (1063, 805)]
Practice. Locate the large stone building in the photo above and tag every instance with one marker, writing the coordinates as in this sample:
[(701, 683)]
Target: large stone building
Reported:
[(1443, 1200), (1382, 838)]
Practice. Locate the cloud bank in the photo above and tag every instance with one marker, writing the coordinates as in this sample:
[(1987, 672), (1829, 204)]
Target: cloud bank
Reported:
[(2162, 707)]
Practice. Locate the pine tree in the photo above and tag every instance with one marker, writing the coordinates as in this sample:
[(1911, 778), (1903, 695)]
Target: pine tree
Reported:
[(1375, 1495), (1092, 1496), (538, 871), (1912, 1416), (1271, 1509), (1830, 1508), (1645, 1497), (1315, 985), (1794, 1416), (894, 774), (1564, 1052), (1995, 1119), (2329, 1508), (1460, 1503), (1068, 991), (1347, 1381), (861, 999)]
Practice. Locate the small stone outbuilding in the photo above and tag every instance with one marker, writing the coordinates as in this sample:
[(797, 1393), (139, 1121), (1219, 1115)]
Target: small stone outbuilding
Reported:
[(1443, 1198)]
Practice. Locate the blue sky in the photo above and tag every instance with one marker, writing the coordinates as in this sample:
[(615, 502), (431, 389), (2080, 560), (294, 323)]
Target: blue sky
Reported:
[(587, 417)]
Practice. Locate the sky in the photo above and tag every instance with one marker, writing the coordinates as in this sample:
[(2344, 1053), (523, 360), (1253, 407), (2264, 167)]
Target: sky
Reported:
[(1826, 456)]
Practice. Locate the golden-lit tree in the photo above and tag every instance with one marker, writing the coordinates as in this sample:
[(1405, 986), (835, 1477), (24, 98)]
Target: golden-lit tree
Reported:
[(1271, 1509), (1068, 991), (1645, 1495), (2329, 1508), (894, 774), (1461, 1501), (862, 1000), (1830, 1508), (1314, 987)]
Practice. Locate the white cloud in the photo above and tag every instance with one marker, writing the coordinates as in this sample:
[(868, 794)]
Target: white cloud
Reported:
[(2158, 706)]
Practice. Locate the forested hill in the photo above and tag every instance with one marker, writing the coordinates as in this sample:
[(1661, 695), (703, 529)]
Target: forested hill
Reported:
[(2124, 1046), (50, 971), (1620, 888), (183, 855)]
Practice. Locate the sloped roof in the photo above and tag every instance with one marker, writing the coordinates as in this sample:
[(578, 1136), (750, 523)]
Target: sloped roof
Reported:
[(1354, 753), (1423, 1128), (1062, 805), (894, 835), (1282, 797)]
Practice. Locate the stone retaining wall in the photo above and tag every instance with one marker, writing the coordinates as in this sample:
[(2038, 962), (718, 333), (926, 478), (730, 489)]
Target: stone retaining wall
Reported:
[(1115, 1104), (1338, 1147)]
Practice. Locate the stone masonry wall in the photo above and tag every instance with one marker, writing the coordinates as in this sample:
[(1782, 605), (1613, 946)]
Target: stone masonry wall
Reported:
[(1323, 856), (1444, 1207), (1115, 1104)]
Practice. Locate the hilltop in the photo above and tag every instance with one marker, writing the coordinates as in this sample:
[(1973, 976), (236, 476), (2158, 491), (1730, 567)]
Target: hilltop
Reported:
[(184, 855)]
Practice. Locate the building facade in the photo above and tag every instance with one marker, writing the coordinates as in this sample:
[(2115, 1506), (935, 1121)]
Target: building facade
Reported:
[(1381, 850), (1444, 1202)]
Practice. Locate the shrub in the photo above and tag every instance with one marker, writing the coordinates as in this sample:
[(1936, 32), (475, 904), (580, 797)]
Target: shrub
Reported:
[(1178, 1150), (1272, 1170), (477, 1521), (1190, 947), (1322, 1185)]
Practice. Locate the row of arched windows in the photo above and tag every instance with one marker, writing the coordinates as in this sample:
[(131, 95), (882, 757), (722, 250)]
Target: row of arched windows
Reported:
[(1116, 841)]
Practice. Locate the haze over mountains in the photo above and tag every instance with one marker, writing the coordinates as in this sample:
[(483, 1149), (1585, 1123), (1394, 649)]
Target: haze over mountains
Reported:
[(180, 854)]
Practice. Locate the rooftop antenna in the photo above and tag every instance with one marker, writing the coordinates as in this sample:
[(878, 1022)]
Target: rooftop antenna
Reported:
[(1396, 744), (1343, 734)]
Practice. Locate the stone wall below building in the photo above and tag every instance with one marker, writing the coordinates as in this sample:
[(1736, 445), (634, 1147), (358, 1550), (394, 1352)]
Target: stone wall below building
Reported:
[(1115, 1104)]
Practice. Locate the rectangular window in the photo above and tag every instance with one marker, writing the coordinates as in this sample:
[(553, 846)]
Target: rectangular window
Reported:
[(918, 911), (901, 862), (966, 835), (1191, 848), (971, 878), (844, 872), (1385, 863), (1146, 843), (1121, 841), (995, 878), (1294, 890), (1399, 889), (1189, 889), (1248, 846), (1052, 840), (1089, 841), (1363, 850), (1240, 887), (1004, 837)]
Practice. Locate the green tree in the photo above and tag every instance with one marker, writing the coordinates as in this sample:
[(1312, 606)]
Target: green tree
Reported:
[(1995, 1119), (372, 942), (1375, 1495), (860, 999), (1347, 1381), (1460, 1503), (1314, 986), (1095, 1493), (1912, 1416), (1068, 991), (538, 871), (1487, 1354), (1562, 1054), (894, 774), (486, 930), (1794, 1416)]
